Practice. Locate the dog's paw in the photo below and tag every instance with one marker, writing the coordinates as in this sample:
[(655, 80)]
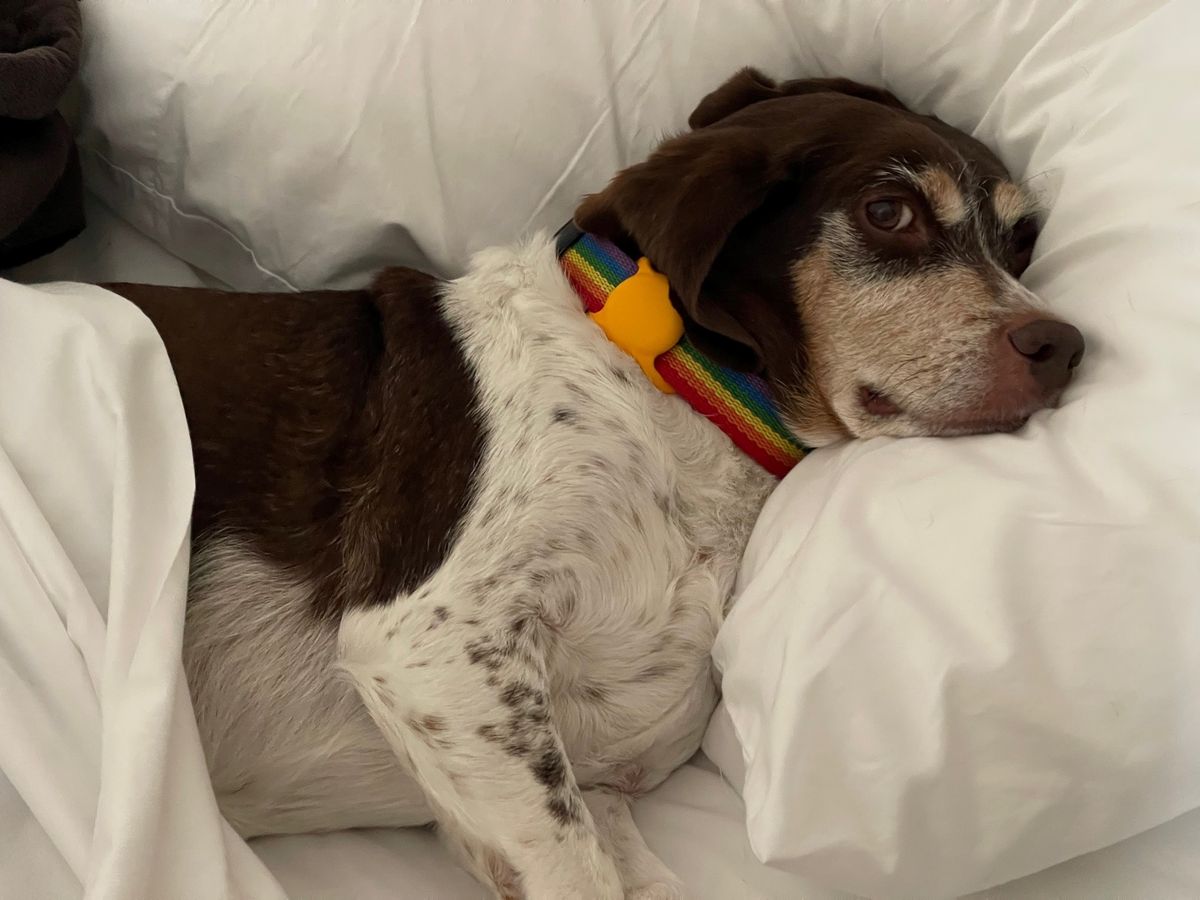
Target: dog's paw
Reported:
[(658, 890)]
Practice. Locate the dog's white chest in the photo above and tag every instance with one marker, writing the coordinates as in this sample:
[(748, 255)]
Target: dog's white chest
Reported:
[(610, 519)]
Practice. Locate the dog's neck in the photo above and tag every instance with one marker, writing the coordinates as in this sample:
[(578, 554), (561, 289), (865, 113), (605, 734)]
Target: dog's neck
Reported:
[(630, 301)]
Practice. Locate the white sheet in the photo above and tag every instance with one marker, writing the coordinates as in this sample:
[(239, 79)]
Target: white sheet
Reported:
[(695, 820), (695, 823), (103, 789)]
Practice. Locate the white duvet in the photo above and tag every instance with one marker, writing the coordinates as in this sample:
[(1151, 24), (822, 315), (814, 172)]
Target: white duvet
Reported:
[(103, 787)]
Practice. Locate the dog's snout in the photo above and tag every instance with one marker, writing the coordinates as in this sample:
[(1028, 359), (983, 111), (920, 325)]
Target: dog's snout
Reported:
[(1053, 349)]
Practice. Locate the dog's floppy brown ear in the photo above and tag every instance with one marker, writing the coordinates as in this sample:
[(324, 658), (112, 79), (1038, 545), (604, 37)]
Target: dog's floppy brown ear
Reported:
[(679, 207), (749, 86)]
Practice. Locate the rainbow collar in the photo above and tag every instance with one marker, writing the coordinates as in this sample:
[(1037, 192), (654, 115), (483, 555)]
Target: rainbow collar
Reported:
[(630, 301)]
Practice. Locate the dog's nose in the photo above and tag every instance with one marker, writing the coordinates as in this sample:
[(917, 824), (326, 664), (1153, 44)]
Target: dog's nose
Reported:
[(1053, 349)]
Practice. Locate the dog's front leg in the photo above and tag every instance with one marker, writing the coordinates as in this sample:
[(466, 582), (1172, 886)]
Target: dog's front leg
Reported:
[(462, 699), (644, 875)]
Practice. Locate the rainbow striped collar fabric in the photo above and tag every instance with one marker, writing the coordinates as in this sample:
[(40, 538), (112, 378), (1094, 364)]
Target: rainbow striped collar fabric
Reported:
[(738, 403)]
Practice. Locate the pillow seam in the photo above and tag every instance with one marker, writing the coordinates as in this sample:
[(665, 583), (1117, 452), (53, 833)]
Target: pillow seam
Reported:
[(96, 154)]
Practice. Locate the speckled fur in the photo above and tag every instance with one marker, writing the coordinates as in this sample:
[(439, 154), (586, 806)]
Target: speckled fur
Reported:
[(557, 662)]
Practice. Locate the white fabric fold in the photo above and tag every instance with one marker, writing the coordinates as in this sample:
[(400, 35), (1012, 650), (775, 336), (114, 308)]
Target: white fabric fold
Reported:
[(103, 788)]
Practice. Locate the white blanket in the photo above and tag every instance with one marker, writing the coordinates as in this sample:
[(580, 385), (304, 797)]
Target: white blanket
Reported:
[(103, 789)]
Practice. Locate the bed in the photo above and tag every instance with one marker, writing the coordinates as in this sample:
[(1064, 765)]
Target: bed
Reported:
[(102, 789)]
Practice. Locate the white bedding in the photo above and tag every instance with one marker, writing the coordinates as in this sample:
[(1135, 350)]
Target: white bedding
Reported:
[(407, 131), (154, 818), (103, 786), (1015, 568)]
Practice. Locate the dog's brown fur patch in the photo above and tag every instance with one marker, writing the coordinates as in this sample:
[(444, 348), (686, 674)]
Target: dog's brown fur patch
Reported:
[(335, 431)]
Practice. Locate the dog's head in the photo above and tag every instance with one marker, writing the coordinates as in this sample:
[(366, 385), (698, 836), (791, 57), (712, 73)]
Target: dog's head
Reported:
[(862, 257)]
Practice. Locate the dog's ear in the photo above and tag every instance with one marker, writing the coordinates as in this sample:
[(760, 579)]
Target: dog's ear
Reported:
[(750, 86), (679, 207)]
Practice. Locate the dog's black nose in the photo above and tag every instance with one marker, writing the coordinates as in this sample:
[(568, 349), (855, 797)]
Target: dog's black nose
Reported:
[(1053, 349)]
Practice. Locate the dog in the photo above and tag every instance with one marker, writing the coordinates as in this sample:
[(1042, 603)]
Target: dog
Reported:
[(457, 558)]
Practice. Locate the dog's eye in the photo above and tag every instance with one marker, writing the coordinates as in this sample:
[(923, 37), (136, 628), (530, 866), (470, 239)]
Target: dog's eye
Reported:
[(889, 214)]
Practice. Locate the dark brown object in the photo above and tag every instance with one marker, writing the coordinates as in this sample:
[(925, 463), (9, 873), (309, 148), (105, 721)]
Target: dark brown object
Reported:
[(41, 192), (336, 432), (1053, 349)]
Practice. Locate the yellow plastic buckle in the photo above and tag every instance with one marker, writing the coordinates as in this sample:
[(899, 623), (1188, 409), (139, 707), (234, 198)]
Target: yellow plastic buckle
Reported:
[(638, 317)]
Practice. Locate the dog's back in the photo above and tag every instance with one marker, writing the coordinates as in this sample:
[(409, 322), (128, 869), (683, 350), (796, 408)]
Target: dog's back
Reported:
[(314, 418)]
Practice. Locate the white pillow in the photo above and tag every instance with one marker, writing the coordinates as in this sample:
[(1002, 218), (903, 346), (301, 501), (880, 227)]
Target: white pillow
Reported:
[(278, 144), (954, 662)]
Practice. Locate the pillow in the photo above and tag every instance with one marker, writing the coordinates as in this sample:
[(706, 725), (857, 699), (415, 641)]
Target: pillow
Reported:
[(306, 145), (954, 662)]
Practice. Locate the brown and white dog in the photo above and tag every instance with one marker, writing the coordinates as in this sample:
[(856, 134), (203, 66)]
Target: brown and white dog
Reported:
[(457, 560)]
